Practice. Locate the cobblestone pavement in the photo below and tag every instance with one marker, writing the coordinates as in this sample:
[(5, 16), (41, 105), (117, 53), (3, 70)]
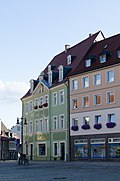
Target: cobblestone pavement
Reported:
[(57, 171)]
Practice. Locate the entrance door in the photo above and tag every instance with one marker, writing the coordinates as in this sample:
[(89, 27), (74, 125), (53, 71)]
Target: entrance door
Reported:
[(62, 151), (31, 151)]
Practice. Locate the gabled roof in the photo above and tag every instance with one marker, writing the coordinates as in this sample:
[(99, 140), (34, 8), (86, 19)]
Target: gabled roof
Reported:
[(107, 46), (77, 52)]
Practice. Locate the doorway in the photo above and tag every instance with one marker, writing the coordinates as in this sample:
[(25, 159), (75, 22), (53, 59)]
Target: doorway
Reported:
[(31, 151), (62, 151)]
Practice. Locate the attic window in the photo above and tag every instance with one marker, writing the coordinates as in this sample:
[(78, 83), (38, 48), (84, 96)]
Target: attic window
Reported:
[(50, 77), (118, 53), (88, 63), (102, 58), (69, 58), (60, 73)]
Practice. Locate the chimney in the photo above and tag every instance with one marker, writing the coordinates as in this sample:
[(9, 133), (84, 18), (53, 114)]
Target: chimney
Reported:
[(66, 48), (90, 34)]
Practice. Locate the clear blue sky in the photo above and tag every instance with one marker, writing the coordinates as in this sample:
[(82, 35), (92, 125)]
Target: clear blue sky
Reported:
[(32, 32)]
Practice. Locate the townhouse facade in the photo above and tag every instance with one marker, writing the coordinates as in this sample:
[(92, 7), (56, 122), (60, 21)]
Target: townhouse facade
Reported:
[(90, 128), (95, 103), (45, 107)]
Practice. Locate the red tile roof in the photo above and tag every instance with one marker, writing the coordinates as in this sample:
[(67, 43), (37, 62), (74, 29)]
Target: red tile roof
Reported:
[(108, 45), (78, 52)]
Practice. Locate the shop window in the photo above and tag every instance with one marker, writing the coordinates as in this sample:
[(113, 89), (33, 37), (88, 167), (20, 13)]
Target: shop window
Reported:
[(42, 149)]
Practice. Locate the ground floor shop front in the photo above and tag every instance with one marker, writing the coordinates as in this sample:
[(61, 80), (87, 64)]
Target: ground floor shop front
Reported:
[(95, 147)]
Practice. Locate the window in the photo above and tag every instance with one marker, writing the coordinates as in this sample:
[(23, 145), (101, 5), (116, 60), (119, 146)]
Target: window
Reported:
[(118, 53), (60, 73), (31, 126), (74, 84), (41, 101), (97, 79), (46, 124), (69, 58), (55, 126), (55, 145), (102, 58), (61, 121), (42, 149), (31, 106), (46, 99), (110, 97), (97, 99), (86, 120), (36, 102), (61, 97), (27, 107), (36, 126), (50, 77), (111, 118), (41, 125), (74, 121), (110, 76), (74, 103), (88, 63), (55, 98), (85, 82), (98, 119), (86, 101)]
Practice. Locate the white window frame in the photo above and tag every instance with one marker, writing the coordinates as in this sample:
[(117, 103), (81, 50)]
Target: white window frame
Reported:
[(102, 58), (55, 155), (88, 63), (73, 103), (31, 126), (36, 125), (41, 125), (85, 81), (69, 59), (50, 77), (31, 106), (74, 84), (75, 121), (60, 68), (61, 126), (41, 101), (83, 101), (46, 98), (108, 97), (36, 102), (110, 78), (46, 128), (55, 123), (111, 119), (85, 121), (98, 119), (60, 102), (97, 81), (118, 53), (40, 143), (54, 98), (95, 100), (26, 107)]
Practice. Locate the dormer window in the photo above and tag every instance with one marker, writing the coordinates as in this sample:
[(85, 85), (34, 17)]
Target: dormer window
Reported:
[(31, 85), (60, 73), (69, 58), (88, 63), (102, 58), (118, 53), (50, 77)]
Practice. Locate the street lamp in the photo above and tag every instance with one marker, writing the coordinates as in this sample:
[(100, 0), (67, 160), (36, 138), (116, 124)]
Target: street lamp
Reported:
[(22, 123)]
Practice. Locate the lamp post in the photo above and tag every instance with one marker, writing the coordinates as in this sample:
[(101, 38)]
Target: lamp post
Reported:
[(22, 123)]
